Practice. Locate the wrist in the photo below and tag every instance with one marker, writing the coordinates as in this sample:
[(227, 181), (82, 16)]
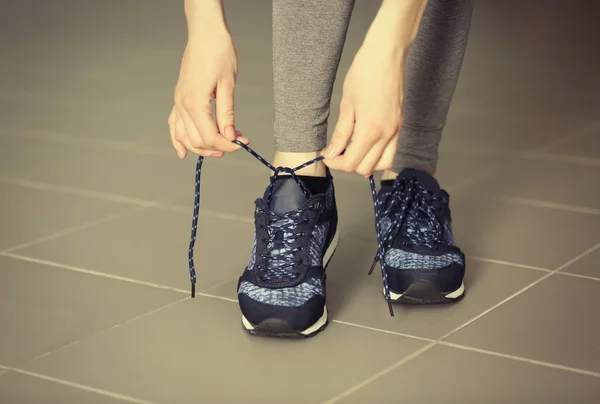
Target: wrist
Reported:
[(205, 19), (395, 26)]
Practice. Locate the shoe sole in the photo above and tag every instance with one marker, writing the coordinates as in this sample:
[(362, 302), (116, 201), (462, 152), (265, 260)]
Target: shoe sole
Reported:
[(275, 327), (424, 292)]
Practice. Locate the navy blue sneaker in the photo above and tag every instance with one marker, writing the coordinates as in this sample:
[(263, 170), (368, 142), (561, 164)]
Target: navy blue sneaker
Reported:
[(422, 262), (282, 291)]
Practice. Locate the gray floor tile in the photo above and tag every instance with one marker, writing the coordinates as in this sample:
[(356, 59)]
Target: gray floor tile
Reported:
[(216, 361), (507, 135), (97, 169), (82, 115), (521, 234), (587, 265), (151, 245), (585, 146), (43, 308), (555, 321), (16, 388), (357, 298), (28, 214), (548, 181), (458, 376)]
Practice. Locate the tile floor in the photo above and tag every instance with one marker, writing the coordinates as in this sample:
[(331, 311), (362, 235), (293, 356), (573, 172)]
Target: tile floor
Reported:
[(95, 214)]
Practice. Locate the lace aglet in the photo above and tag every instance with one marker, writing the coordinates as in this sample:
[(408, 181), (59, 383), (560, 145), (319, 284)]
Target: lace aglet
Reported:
[(391, 308), (193, 290), (375, 261)]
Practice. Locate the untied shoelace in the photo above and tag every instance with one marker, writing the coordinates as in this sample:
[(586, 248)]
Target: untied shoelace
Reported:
[(291, 171)]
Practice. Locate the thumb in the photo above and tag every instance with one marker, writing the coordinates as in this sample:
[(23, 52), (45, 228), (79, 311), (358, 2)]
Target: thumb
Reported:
[(342, 132), (225, 115)]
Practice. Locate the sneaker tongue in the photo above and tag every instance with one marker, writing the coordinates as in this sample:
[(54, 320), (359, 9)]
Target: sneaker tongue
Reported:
[(287, 196), (424, 178)]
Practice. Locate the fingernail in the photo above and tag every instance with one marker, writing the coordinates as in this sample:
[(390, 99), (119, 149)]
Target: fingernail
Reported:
[(330, 151), (230, 132)]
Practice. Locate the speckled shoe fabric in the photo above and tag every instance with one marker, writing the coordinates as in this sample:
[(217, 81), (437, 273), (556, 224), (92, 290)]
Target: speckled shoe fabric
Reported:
[(422, 262), (282, 291)]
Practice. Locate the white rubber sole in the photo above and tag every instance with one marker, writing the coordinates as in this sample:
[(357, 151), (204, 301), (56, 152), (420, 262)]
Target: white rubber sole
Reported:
[(450, 296), (320, 323)]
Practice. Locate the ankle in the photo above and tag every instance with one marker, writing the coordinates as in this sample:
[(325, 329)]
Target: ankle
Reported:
[(292, 160), (389, 175)]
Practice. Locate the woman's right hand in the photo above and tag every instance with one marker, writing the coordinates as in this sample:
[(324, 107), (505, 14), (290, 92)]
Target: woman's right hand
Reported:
[(208, 71)]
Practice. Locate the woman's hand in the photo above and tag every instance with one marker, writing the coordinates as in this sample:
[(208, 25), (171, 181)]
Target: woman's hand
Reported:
[(371, 107), (370, 113), (208, 71)]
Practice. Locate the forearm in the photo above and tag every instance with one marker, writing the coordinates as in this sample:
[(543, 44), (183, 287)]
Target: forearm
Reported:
[(396, 24), (205, 17)]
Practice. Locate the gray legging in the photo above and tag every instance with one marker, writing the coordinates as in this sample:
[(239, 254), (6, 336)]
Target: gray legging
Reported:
[(308, 38)]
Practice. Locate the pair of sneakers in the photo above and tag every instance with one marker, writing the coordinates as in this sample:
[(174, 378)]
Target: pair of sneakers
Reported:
[(282, 291)]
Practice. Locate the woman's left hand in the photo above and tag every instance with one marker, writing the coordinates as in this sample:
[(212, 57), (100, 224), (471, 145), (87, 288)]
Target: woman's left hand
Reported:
[(370, 113)]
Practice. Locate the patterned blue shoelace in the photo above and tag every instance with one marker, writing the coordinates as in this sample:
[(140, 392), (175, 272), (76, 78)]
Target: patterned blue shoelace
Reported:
[(278, 171), (409, 203)]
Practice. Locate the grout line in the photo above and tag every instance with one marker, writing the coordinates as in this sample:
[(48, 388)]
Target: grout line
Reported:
[(102, 331), (507, 263), (577, 258), (548, 205), (459, 186), (591, 278), (382, 331), (72, 229), (509, 298), (583, 132), (521, 291), (62, 189), (522, 359), (91, 272), (206, 212), (379, 374), (79, 386), (560, 158), (108, 275), (134, 147)]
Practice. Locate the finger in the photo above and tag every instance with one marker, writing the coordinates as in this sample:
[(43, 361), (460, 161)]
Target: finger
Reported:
[(206, 128), (225, 115), (367, 166), (342, 132), (202, 152), (182, 137), (179, 148), (387, 158), (362, 142)]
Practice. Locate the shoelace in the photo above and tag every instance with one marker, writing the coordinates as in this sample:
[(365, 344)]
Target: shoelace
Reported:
[(282, 230), (417, 204), (277, 171)]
